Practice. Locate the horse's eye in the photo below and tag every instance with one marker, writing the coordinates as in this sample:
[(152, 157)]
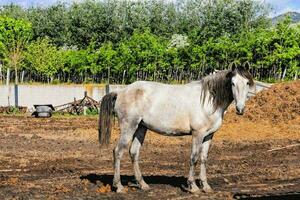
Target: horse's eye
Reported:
[(248, 83), (232, 84)]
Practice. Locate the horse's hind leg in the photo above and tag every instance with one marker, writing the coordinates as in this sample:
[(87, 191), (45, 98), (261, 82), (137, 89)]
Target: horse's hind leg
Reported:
[(137, 142), (127, 131)]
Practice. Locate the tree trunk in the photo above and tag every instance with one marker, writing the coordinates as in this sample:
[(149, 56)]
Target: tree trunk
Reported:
[(284, 73), (199, 74), (22, 77), (7, 76), (296, 75), (123, 79), (108, 74), (176, 74), (180, 76), (1, 78), (16, 76)]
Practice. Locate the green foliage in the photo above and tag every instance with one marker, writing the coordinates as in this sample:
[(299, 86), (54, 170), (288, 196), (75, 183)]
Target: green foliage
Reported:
[(14, 36), (43, 57), (14, 32), (91, 111), (171, 41), (143, 53), (13, 110)]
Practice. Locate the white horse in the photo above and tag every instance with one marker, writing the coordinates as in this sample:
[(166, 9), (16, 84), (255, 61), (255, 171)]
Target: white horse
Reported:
[(195, 109)]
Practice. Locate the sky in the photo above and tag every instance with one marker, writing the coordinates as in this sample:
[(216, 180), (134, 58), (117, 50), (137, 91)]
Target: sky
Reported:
[(279, 6), (283, 6), (29, 3)]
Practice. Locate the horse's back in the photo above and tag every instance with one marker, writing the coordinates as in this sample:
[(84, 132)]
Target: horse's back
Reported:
[(159, 92), (152, 85), (168, 107)]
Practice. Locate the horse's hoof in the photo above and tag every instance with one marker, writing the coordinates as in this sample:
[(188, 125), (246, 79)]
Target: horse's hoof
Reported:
[(208, 190), (145, 187), (120, 189), (194, 190)]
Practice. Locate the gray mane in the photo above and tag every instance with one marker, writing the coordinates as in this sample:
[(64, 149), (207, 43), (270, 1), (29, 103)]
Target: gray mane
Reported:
[(218, 85)]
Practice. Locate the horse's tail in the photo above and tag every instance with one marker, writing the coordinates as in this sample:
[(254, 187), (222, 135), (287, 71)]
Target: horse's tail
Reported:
[(105, 116)]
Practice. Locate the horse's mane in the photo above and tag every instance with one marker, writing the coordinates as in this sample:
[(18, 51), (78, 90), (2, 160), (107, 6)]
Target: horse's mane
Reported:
[(218, 85)]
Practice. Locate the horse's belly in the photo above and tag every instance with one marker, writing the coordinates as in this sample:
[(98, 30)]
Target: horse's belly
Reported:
[(169, 128), (168, 117)]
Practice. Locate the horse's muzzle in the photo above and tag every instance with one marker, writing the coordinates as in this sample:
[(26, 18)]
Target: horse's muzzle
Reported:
[(239, 111)]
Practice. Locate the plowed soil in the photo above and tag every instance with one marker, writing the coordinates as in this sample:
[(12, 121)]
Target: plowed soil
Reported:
[(255, 155)]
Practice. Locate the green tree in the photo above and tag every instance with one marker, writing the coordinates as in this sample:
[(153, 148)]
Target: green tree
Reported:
[(133, 40), (14, 36), (75, 64), (106, 59), (44, 58), (144, 55), (286, 47), (52, 22)]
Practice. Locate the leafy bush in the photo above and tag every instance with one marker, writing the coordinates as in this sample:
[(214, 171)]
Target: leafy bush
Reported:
[(168, 41)]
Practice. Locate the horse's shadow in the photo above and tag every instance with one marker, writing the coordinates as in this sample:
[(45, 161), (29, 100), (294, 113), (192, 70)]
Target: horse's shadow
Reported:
[(178, 182)]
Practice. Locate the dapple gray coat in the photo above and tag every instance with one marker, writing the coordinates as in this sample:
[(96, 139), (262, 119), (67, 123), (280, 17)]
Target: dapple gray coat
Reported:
[(195, 109)]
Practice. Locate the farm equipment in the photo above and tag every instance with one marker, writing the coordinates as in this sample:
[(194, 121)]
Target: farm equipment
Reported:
[(78, 106), (43, 110)]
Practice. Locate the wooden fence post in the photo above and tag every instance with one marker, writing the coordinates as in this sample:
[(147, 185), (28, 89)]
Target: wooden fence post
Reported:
[(106, 88)]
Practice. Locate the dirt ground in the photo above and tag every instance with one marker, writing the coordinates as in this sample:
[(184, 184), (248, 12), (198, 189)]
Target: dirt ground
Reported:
[(59, 158)]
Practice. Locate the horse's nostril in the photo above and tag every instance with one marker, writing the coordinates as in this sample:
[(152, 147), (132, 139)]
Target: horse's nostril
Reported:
[(239, 111)]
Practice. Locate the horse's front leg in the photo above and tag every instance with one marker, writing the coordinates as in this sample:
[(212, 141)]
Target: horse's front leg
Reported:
[(204, 153), (196, 145)]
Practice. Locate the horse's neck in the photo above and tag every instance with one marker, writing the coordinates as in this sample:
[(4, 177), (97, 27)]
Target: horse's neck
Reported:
[(220, 109), (226, 106)]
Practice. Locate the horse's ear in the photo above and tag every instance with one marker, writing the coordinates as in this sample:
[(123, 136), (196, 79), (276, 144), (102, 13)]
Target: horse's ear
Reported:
[(247, 66), (233, 66)]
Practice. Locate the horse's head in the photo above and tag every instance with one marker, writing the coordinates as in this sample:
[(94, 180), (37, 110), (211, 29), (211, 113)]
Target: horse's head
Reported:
[(241, 82)]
